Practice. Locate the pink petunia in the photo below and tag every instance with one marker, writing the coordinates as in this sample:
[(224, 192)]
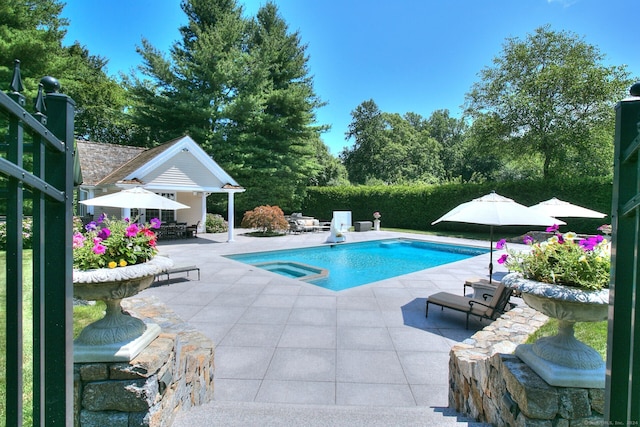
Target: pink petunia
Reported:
[(553, 228), (528, 240), (155, 223), (503, 259), (500, 243), (99, 249), (132, 230), (78, 240)]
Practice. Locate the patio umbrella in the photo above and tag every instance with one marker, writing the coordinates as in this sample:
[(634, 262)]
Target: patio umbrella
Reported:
[(496, 210), (559, 208), (136, 197)]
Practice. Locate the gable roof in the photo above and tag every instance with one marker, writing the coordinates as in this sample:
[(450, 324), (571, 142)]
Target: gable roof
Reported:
[(135, 163), (111, 164)]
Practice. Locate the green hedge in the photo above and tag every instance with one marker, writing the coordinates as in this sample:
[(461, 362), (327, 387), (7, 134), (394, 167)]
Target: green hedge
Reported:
[(415, 207)]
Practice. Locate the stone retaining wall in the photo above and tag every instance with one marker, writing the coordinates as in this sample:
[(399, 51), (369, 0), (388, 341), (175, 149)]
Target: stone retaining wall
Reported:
[(174, 372), (487, 382)]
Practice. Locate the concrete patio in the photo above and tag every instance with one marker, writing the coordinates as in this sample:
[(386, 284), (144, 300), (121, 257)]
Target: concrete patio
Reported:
[(292, 353)]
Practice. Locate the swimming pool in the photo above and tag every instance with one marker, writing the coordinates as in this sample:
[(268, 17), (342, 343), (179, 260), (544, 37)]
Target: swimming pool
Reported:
[(354, 264)]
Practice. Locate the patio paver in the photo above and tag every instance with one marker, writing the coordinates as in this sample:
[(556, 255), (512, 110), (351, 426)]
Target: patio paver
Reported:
[(280, 341)]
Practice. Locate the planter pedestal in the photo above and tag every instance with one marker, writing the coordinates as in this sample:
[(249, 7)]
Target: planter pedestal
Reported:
[(118, 336), (552, 358), (123, 351), (562, 360)]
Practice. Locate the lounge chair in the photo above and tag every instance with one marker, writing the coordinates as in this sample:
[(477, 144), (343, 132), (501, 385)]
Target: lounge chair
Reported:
[(484, 309), (299, 223)]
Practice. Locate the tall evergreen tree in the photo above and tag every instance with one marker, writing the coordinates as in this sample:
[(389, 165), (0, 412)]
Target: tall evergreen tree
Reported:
[(241, 88), (271, 119)]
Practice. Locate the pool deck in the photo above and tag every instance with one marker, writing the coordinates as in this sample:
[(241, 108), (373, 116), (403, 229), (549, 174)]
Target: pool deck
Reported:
[(292, 353)]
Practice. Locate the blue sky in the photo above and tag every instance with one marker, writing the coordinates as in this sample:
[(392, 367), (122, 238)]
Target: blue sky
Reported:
[(407, 55)]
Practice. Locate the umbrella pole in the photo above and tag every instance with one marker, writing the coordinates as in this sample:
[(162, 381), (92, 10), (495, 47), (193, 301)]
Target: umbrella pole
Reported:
[(490, 253)]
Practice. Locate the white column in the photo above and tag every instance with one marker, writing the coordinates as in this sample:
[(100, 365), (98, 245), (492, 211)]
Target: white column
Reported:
[(202, 227), (230, 209)]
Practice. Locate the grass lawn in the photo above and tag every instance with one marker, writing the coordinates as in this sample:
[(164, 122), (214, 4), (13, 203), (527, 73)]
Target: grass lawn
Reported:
[(594, 334)]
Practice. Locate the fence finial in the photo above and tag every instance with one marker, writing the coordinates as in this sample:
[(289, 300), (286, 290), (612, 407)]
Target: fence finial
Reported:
[(16, 80), (50, 84), (40, 106)]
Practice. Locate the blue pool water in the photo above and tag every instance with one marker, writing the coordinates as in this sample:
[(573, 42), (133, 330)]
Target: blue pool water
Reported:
[(355, 264)]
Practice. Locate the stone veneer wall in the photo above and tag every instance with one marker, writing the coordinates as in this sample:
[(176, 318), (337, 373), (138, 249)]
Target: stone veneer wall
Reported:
[(173, 373), (487, 382)]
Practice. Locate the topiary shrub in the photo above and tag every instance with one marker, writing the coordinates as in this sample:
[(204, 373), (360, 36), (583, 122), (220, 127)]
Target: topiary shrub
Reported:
[(216, 224), (269, 220)]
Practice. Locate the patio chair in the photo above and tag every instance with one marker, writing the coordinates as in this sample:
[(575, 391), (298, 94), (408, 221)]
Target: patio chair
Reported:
[(484, 309)]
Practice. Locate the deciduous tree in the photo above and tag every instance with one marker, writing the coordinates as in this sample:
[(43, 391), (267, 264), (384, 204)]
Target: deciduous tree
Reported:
[(550, 97), (390, 148)]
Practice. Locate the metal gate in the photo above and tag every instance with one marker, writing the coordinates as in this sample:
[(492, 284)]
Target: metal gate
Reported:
[(36, 173), (623, 346)]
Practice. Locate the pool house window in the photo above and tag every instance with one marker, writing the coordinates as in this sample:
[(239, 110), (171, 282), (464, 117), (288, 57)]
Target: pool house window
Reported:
[(164, 215)]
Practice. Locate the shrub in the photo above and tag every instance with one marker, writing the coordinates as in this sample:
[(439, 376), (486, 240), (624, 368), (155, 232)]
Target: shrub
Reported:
[(216, 224), (267, 219)]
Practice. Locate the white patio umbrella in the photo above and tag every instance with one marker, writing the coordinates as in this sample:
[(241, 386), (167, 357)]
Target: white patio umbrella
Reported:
[(561, 209), (496, 210), (136, 197)]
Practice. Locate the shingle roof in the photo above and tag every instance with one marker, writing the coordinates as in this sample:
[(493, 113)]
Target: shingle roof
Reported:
[(135, 163), (98, 160)]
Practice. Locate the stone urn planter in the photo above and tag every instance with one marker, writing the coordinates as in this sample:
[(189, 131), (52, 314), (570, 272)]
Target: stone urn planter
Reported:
[(562, 360), (376, 224), (118, 336)]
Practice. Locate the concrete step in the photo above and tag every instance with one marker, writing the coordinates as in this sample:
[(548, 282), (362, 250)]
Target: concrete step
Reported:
[(252, 414)]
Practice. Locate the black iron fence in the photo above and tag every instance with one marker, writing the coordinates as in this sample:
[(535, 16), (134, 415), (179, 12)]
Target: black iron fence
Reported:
[(623, 346), (36, 177)]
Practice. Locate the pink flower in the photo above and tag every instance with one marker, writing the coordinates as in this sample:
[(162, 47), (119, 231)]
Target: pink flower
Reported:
[(553, 228), (528, 240), (500, 243), (132, 230), (155, 223), (99, 249), (78, 240), (503, 259)]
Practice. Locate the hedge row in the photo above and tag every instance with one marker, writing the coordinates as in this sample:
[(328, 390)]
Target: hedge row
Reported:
[(416, 207)]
